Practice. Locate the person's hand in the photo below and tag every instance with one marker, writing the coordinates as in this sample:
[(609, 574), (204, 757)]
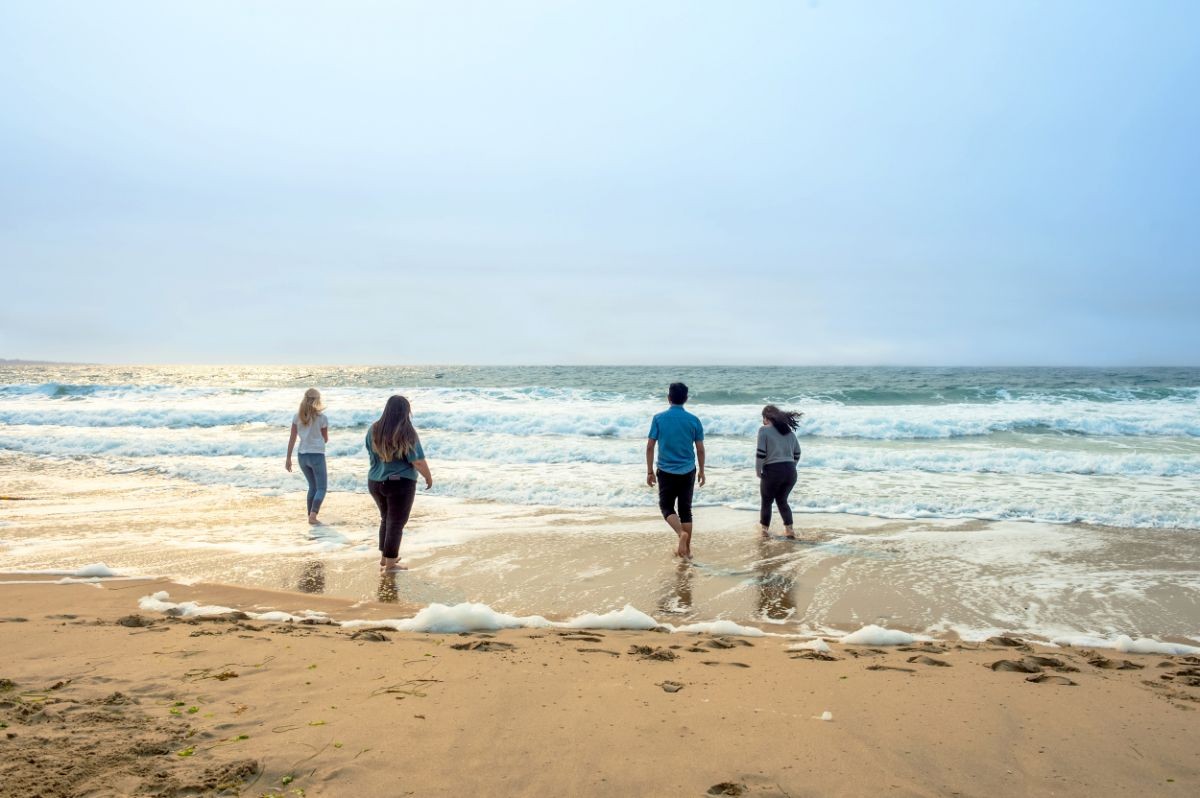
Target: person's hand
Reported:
[(428, 483), (650, 478), (288, 464), (700, 478)]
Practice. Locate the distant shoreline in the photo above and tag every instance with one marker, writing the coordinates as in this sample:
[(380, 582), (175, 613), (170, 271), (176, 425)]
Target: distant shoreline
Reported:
[(4, 361)]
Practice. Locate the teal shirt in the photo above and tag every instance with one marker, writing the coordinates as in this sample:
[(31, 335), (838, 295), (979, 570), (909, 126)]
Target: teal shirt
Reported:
[(676, 431), (401, 468)]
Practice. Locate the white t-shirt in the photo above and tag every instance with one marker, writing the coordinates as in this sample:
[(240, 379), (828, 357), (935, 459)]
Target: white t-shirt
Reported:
[(311, 441)]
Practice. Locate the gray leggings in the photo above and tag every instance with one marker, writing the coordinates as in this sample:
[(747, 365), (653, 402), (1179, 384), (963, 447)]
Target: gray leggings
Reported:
[(313, 468)]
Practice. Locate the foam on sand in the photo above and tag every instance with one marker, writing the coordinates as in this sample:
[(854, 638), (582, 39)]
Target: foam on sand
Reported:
[(810, 645), (95, 569), (459, 618), (160, 602), (719, 628), (628, 618), (452, 619), (1127, 645), (872, 635)]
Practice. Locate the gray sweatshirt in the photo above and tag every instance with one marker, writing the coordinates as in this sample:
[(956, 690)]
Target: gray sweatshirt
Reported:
[(775, 447)]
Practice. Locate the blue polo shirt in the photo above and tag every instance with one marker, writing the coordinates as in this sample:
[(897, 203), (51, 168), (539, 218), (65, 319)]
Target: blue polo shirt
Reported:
[(676, 431), (400, 467)]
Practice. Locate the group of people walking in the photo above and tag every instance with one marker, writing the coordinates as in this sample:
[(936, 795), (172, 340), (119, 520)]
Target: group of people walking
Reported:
[(396, 459)]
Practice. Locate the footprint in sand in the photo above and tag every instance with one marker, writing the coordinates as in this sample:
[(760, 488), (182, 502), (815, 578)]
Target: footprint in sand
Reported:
[(728, 642), (1046, 678), (923, 660), (597, 651), (371, 635), (483, 645), (1009, 642), (1114, 665), (821, 656), (659, 654), (734, 664), (1014, 666)]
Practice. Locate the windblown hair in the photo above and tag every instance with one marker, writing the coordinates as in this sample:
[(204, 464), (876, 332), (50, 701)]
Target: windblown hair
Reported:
[(393, 434), (311, 406), (783, 420)]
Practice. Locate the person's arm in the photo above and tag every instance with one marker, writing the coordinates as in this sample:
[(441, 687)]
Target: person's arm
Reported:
[(423, 469), (650, 442), (700, 463), (795, 449), (325, 433), (291, 445), (760, 454)]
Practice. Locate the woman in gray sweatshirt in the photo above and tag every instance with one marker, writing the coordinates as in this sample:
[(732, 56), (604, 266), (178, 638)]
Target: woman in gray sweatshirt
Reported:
[(775, 461)]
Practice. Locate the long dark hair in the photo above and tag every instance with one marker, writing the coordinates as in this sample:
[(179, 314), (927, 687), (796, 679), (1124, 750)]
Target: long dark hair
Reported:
[(783, 420), (393, 433)]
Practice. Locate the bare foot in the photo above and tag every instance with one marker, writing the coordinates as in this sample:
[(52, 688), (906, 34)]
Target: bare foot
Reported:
[(312, 519), (790, 534), (392, 565), (765, 533), (685, 545)]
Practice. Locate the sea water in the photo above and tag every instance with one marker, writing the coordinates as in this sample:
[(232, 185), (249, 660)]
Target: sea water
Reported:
[(1077, 458)]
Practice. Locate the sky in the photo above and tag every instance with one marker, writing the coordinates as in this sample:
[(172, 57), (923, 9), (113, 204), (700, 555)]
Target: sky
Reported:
[(617, 182)]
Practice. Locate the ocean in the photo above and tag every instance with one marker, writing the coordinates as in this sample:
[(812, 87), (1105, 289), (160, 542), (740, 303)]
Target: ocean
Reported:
[(1071, 453)]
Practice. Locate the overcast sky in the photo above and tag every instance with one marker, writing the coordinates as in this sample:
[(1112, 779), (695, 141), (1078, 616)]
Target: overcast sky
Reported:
[(601, 182)]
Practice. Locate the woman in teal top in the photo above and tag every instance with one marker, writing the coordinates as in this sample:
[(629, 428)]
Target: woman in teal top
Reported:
[(396, 458)]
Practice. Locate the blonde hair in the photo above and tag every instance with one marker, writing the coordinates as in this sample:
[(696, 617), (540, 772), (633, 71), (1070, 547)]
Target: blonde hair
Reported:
[(311, 406)]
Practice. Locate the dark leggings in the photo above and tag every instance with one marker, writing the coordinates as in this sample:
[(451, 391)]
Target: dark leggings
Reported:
[(394, 498), (674, 488), (777, 482)]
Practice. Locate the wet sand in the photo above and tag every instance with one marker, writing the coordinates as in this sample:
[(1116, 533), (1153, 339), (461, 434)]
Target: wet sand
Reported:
[(964, 578), (102, 699)]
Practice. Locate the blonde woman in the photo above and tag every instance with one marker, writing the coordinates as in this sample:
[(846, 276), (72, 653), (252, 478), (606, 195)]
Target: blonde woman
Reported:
[(312, 429), (396, 459)]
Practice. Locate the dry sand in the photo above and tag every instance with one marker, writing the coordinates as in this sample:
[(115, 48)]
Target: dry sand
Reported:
[(99, 703)]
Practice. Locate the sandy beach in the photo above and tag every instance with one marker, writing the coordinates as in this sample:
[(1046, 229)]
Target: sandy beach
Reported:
[(102, 698)]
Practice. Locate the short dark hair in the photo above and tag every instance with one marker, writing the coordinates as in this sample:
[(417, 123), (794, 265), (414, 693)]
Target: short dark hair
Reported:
[(677, 393)]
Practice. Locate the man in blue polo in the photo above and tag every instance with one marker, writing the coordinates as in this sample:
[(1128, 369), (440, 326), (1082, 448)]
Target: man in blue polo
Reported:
[(680, 439)]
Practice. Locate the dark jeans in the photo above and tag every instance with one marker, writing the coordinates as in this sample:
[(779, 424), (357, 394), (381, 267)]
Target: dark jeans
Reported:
[(394, 498), (777, 482), (674, 488), (313, 468)]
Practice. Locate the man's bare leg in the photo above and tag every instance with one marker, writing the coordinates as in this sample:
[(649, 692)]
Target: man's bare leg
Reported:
[(678, 528), (685, 540)]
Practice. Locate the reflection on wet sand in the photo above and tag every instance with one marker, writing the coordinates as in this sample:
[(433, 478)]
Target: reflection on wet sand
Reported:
[(386, 592), (775, 580), (312, 577), (676, 597)]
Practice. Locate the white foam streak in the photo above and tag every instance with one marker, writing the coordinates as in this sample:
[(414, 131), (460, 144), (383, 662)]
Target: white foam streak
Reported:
[(1127, 644), (464, 617), (872, 635)]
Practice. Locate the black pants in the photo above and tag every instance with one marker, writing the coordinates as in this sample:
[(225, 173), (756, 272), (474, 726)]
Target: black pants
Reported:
[(676, 488), (395, 500), (777, 482)]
